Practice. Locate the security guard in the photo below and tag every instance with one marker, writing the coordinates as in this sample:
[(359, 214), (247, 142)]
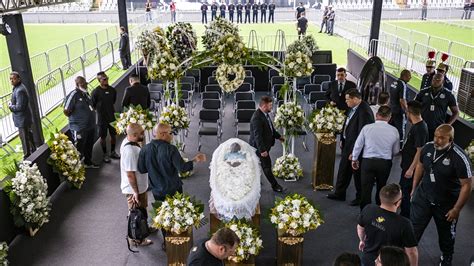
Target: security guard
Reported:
[(398, 101), (441, 187), (240, 7), (263, 12), (255, 8), (213, 10), (271, 11), (231, 8), (222, 8), (248, 7), (443, 69), (204, 13), (435, 101), (428, 76)]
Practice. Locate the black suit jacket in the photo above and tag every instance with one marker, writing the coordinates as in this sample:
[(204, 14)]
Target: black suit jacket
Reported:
[(362, 116), (332, 94), (262, 137)]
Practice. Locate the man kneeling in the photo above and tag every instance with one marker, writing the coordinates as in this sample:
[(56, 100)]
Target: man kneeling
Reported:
[(212, 252)]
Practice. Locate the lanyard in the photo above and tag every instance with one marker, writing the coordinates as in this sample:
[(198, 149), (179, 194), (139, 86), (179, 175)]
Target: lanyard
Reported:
[(435, 160), (437, 95)]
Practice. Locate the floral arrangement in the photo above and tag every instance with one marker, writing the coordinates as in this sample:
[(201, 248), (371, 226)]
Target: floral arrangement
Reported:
[(298, 46), (470, 151), (178, 213), (327, 120), (298, 65), (27, 192), (310, 43), (290, 116), (230, 49), (182, 39), (250, 241), (223, 72), (163, 64), (216, 29), (66, 160), (3, 254), (295, 215), (132, 114), (287, 167), (146, 42), (175, 116)]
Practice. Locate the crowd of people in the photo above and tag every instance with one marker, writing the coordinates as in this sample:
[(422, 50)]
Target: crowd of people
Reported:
[(241, 9)]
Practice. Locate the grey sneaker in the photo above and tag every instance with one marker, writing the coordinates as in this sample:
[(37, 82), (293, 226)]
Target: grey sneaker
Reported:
[(106, 159)]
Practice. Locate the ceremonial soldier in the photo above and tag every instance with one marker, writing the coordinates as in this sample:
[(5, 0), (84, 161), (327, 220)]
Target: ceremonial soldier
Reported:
[(435, 101), (263, 14), (443, 69), (204, 12), (231, 8), (213, 10), (222, 8), (428, 76), (271, 12), (248, 7), (240, 7), (255, 8)]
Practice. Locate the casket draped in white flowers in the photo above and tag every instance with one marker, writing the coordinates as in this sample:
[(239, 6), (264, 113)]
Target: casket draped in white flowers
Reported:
[(235, 191)]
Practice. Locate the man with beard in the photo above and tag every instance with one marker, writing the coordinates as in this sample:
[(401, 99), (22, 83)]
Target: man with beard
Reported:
[(441, 187)]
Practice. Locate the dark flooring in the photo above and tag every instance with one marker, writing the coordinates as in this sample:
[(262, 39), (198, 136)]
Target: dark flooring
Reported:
[(88, 226)]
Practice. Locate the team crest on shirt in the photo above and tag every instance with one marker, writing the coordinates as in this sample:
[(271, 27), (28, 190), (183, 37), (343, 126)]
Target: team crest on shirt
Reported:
[(446, 161), (428, 154), (426, 94), (380, 219), (442, 96)]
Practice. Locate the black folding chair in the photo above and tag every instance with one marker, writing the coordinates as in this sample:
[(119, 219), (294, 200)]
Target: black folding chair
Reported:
[(243, 117), (209, 125), (318, 79)]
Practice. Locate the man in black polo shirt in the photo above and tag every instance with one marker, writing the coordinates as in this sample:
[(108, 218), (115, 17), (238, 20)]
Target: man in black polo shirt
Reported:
[(255, 8), (248, 7), (239, 7), (435, 101), (103, 100), (411, 150), (136, 94), (382, 226), (263, 12), (441, 187), (204, 12), (302, 25), (398, 101), (231, 8), (300, 9), (213, 252), (271, 12), (213, 10)]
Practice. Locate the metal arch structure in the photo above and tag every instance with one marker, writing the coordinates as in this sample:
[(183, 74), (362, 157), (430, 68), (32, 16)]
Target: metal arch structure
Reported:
[(18, 5)]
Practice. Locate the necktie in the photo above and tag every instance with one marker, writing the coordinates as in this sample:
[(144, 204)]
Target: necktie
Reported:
[(340, 87), (347, 121), (269, 121)]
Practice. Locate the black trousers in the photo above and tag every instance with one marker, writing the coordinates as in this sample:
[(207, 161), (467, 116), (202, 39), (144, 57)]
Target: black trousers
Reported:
[(125, 58), (422, 210), (301, 33), (204, 17), (213, 16), (27, 141), (247, 16), (344, 175), (266, 163), (324, 23), (271, 16), (231, 16), (398, 121), (373, 170), (263, 17), (84, 140), (255, 17), (222, 15), (406, 185), (239, 17)]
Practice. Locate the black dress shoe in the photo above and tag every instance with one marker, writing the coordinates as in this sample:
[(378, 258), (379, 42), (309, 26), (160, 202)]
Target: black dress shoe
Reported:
[(355, 202), (277, 188), (333, 196)]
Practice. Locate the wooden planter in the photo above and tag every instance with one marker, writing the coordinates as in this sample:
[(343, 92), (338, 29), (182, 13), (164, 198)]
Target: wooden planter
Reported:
[(178, 247), (249, 262), (323, 162), (289, 249), (215, 223)]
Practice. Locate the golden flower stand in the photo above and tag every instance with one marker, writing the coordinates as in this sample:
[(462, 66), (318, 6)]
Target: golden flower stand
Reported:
[(215, 223), (178, 247), (289, 249), (324, 160), (249, 262)]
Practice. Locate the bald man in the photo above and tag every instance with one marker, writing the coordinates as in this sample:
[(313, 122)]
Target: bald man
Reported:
[(163, 162), (441, 187)]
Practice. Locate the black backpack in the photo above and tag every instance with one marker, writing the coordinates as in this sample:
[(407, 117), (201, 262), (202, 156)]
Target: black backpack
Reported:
[(137, 225)]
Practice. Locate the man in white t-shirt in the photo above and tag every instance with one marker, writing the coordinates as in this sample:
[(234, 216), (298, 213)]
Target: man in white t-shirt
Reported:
[(133, 184)]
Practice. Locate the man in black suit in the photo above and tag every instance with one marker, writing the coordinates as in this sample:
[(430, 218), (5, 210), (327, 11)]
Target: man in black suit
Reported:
[(214, 8), (359, 115), (231, 8), (255, 8), (262, 137), (263, 12), (204, 12), (271, 12), (336, 93), (248, 7), (239, 7)]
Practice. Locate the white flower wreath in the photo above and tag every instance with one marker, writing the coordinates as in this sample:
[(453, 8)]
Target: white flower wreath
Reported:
[(222, 73)]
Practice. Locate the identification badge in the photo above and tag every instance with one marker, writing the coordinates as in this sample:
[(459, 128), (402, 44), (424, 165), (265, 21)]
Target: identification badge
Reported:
[(432, 177), (90, 107), (432, 107)]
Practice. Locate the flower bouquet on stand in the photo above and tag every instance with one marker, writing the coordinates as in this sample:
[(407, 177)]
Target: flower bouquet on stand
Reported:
[(298, 46), (287, 167), (28, 194), (66, 160), (293, 216), (133, 114), (249, 246), (325, 123), (177, 215), (3, 254), (146, 43), (290, 116), (175, 116), (215, 30), (230, 77), (297, 65), (182, 39)]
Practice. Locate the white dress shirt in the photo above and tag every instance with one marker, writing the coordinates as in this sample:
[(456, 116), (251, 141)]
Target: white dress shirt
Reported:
[(379, 140)]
